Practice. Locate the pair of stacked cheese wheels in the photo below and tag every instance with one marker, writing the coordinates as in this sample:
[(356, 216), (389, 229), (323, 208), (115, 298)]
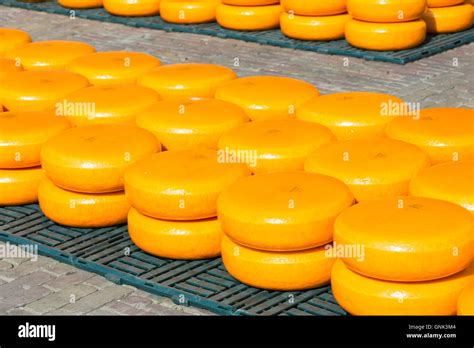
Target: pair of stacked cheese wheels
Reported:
[(174, 199), (448, 16), (248, 15), (317, 20), (386, 25)]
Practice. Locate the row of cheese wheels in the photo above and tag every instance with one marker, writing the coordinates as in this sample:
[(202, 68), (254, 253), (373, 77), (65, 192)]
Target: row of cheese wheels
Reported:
[(324, 20), (122, 153)]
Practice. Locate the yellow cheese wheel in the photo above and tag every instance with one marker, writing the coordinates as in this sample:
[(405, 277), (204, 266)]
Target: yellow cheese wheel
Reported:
[(448, 19), (183, 240), (37, 90), (132, 8), (93, 159), (116, 67), (361, 295), (385, 36), (466, 300), (190, 124), (386, 11), (250, 2), (406, 238), (249, 18), (322, 28), (22, 134), (116, 104), (47, 55), (372, 168), (452, 182), (82, 209), (283, 211), (266, 97), (8, 66), (445, 134), (353, 115), (20, 186), (11, 38), (314, 8), (295, 270), (443, 3), (273, 145), (188, 11), (186, 81), (80, 3), (180, 184)]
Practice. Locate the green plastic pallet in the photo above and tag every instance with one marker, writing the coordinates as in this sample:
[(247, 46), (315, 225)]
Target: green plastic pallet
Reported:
[(433, 44), (110, 253)]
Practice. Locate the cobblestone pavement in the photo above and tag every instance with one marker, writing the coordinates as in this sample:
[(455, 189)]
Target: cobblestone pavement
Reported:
[(47, 287)]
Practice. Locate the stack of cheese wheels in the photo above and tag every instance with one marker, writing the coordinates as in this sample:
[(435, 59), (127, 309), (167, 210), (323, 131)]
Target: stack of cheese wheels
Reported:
[(249, 15), (188, 11), (84, 167), (448, 16), (267, 97), (22, 135), (12, 38), (115, 67), (132, 8), (190, 124), (187, 81), (372, 168), (273, 145), (402, 256), (314, 20), (116, 104), (353, 115), (174, 199), (278, 228), (445, 134), (49, 55), (37, 90), (80, 4), (386, 25)]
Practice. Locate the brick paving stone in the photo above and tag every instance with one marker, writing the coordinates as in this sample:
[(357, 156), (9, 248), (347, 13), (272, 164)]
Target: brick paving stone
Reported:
[(72, 277)]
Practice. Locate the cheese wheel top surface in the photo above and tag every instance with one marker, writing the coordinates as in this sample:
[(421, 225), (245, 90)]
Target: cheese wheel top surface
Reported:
[(11, 38), (115, 66), (23, 133), (204, 117), (45, 55), (109, 101), (276, 138), (314, 8), (32, 85), (407, 238), (100, 146), (284, 198), (176, 80), (452, 181), (175, 172), (267, 93), (437, 128), (347, 113), (368, 161)]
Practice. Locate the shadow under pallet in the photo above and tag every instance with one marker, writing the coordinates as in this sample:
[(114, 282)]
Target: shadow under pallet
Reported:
[(433, 44), (110, 253)]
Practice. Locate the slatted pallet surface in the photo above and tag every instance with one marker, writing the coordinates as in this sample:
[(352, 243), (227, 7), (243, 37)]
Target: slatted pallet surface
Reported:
[(110, 252), (433, 44)]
